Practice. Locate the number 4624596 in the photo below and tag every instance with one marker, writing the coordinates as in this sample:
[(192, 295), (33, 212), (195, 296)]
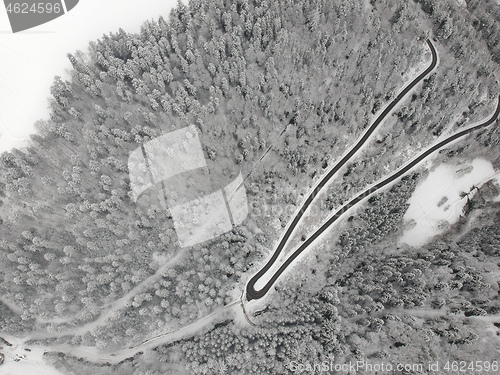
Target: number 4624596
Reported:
[(20, 8)]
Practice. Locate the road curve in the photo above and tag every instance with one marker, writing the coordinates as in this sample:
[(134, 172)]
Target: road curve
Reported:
[(368, 192), (251, 292)]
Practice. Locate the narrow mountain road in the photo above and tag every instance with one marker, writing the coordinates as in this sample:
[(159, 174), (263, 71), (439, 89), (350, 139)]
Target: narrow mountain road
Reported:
[(111, 308), (95, 355), (366, 193), (251, 292)]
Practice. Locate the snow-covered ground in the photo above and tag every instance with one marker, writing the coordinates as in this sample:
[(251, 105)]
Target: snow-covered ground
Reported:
[(30, 59), (436, 203), (18, 361)]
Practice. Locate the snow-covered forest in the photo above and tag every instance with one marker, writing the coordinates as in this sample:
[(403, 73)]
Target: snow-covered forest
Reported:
[(279, 89)]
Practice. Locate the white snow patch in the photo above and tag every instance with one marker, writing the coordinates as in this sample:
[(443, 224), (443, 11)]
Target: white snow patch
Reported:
[(21, 362), (30, 59), (436, 203)]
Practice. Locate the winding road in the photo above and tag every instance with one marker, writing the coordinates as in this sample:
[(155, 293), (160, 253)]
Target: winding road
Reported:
[(251, 292), (367, 192)]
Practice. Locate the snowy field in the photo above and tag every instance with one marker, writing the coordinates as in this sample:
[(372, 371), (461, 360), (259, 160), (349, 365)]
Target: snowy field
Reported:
[(437, 201), (29, 364), (19, 361), (30, 59)]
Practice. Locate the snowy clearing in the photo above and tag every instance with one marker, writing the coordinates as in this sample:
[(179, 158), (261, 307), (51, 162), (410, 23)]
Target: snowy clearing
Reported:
[(439, 200), (19, 361)]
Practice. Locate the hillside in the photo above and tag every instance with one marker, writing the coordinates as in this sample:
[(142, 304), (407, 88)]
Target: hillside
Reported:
[(276, 90)]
